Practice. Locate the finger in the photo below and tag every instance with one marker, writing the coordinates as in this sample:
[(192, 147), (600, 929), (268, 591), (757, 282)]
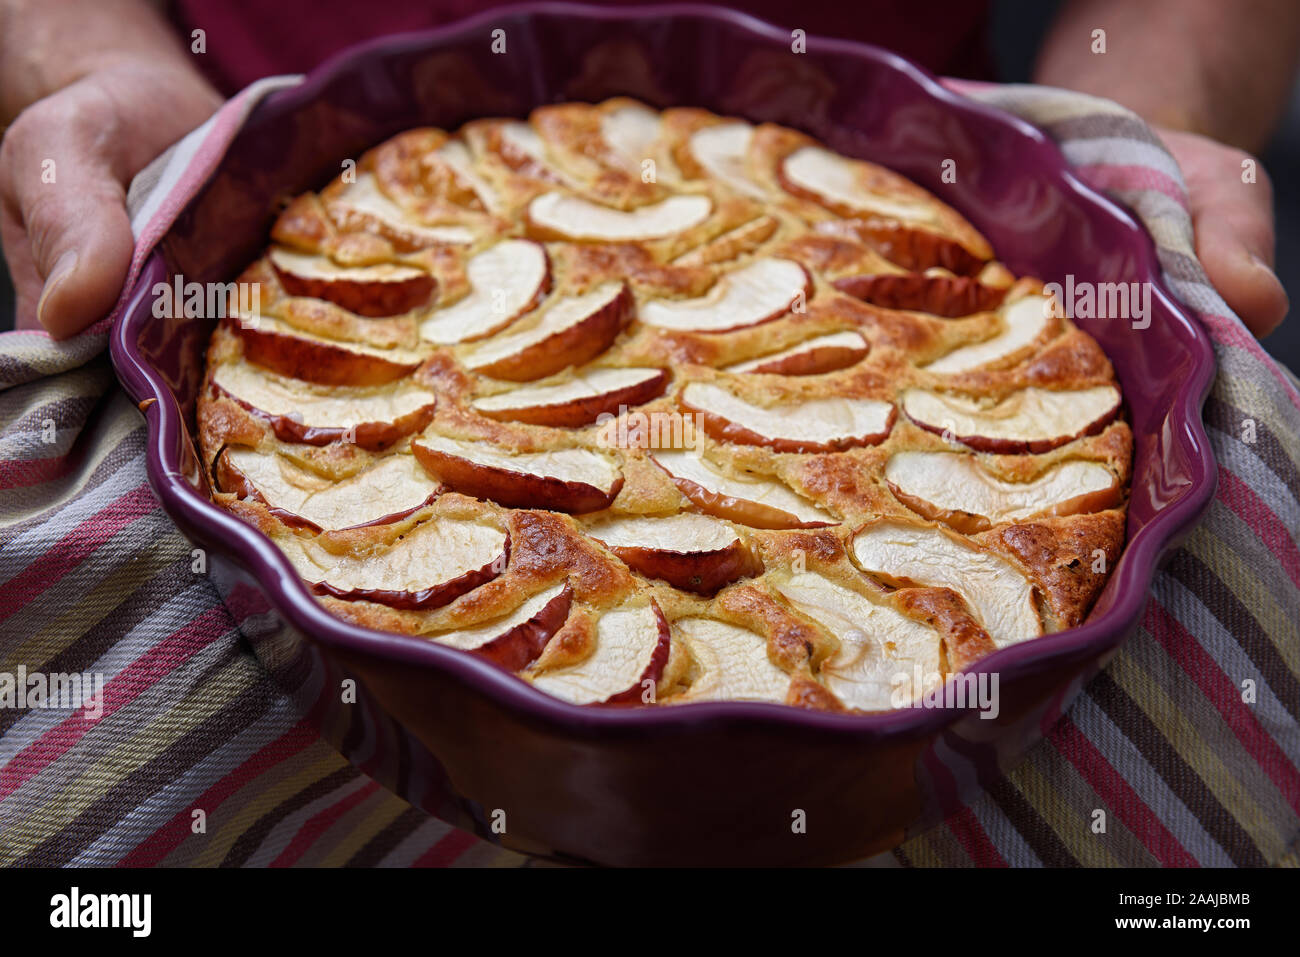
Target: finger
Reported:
[(1232, 215), (72, 214), (82, 247), (1238, 267)]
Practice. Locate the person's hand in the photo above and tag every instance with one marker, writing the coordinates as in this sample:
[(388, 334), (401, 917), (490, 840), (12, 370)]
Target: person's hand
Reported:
[(1233, 221), (65, 163)]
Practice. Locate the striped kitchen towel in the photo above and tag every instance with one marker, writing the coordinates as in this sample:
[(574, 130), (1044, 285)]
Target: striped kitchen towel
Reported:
[(94, 578)]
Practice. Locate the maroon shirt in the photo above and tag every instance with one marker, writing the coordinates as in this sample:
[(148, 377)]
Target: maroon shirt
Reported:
[(249, 39)]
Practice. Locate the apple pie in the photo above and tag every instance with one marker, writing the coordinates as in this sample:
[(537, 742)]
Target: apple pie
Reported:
[(656, 407)]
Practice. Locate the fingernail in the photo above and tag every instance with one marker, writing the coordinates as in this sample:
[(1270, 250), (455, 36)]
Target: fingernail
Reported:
[(1272, 279), (1259, 263), (64, 267)]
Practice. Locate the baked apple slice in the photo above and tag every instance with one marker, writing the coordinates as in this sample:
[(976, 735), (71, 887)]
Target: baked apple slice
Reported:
[(559, 215), (364, 205), (274, 344), (505, 280), (384, 289), (734, 243), (572, 331), (514, 642), (809, 425), (952, 488), (764, 289), (522, 150), (428, 567), (518, 144), (752, 500), (630, 131), (732, 662), (456, 157), (390, 489), (1031, 420), (720, 150), (689, 551), (563, 480), (915, 250), (632, 644), (847, 188), (297, 412), (835, 350), (577, 402), (880, 649), (997, 592), (939, 295), (1023, 323)]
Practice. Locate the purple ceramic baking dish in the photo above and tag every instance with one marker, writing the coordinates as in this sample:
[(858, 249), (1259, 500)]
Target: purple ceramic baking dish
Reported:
[(703, 783)]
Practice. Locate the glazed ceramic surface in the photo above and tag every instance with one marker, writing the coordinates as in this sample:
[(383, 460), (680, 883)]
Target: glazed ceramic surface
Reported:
[(703, 783)]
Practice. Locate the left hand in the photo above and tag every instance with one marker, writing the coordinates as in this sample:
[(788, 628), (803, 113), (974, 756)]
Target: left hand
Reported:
[(1233, 223)]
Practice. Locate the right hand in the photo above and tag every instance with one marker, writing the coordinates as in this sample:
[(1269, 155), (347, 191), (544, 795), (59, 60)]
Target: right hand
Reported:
[(1233, 225), (68, 241)]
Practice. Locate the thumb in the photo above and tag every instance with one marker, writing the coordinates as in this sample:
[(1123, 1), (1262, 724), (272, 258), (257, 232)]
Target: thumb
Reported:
[(1232, 217), (1239, 269), (81, 247)]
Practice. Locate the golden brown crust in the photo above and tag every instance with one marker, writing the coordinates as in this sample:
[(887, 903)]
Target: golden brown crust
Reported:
[(914, 291), (964, 640), (1069, 558)]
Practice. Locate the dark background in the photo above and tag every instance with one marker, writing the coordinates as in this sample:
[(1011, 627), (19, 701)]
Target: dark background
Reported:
[(1017, 29)]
